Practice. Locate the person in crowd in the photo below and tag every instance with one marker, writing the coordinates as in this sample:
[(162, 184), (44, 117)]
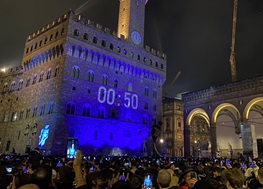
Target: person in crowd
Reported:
[(233, 178), (164, 179), (256, 182), (35, 158), (42, 177), (80, 180), (216, 178), (174, 178), (200, 168), (136, 182), (188, 179), (65, 176), (252, 171)]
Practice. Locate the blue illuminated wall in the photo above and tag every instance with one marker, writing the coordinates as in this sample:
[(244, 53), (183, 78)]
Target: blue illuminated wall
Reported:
[(85, 83), (94, 134)]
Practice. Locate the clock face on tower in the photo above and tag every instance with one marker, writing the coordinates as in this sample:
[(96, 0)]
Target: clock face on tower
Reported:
[(136, 37)]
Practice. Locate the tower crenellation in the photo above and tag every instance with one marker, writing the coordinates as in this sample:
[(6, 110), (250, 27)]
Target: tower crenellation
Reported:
[(89, 23)]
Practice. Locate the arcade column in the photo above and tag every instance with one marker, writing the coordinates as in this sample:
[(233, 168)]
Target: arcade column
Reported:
[(186, 141), (248, 139), (213, 139)]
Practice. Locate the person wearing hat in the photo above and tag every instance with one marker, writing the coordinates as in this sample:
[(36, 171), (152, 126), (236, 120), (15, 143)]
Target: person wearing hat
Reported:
[(188, 179)]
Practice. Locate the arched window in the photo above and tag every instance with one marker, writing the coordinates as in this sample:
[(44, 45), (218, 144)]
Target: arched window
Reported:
[(28, 112), (90, 76), (116, 83), (56, 35), (42, 109), (103, 43), (168, 124), (34, 114), (14, 116), (75, 71), (146, 91), (155, 93), (113, 113), (45, 40), (50, 108), (104, 79), (76, 32), (70, 108), (154, 108), (12, 86), (48, 74), (62, 31), (56, 71), (5, 88), (34, 79), (21, 114), (101, 113), (130, 86), (145, 119), (86, 36), (41, 77), (146, 106), (27, 82), (111, 46), (95, 39), (86, 111)]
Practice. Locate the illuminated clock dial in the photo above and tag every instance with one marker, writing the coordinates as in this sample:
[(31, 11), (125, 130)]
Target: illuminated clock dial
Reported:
[(136, 37)]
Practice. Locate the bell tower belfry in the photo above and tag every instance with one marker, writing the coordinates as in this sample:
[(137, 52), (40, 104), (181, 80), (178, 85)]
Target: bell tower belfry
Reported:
[(131, 20)]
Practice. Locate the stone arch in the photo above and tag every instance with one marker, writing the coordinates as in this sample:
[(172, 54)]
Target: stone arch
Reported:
[(197, 112), (231, 108), (226, 121), (249, 106), (198, 127)]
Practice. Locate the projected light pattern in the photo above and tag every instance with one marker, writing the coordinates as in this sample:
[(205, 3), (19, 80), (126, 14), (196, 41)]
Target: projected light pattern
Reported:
[(106, 134)]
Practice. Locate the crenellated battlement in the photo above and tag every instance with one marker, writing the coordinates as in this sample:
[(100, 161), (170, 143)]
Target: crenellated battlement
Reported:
[(78, 18)]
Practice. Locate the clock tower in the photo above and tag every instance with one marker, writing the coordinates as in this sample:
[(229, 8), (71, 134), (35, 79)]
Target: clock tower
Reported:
[(131, 20)]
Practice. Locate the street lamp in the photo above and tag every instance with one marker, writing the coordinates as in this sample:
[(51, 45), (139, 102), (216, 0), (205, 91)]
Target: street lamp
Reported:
[(161, 142), (3, 69)]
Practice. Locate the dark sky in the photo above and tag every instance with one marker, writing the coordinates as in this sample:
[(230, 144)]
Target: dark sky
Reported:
[(195, 34)]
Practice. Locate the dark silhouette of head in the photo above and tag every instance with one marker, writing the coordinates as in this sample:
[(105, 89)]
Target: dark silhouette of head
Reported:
[(42, 176)]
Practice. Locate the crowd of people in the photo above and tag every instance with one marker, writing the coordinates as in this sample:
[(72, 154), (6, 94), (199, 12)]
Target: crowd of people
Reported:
[(35, 171)]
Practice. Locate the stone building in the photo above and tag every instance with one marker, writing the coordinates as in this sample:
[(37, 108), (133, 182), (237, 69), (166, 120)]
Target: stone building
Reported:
[(232, 113), (78, 80), (173, 127)]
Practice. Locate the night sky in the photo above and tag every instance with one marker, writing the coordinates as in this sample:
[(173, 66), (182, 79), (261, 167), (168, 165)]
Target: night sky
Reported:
[(195, 35)]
